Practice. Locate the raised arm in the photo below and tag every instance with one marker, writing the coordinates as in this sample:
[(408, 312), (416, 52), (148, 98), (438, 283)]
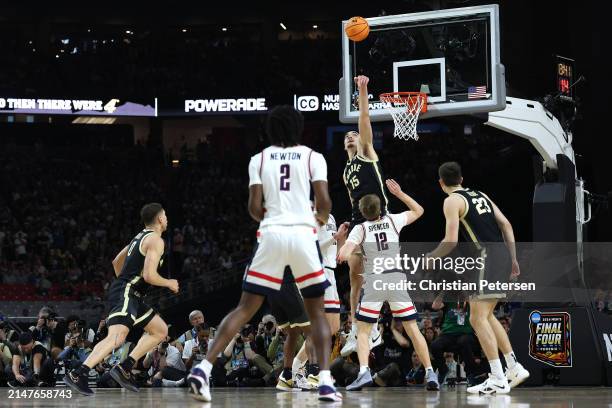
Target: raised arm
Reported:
[(365, 127), (416, 211)]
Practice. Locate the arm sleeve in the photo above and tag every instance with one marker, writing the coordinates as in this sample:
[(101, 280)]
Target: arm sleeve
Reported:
[(254, 169), (318, 167), (356, 236)]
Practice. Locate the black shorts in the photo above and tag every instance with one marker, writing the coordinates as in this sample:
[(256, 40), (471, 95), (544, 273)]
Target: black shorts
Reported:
[(127, 307), (497, 268), (287, 305)]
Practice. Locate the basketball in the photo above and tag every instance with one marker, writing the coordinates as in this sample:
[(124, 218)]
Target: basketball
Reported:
[(357, 29)]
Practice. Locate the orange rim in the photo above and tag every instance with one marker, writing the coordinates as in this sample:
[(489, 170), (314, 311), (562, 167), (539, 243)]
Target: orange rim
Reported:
[(409, 98)]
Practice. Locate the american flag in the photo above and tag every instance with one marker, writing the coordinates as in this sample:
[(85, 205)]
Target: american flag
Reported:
[(477, 92)]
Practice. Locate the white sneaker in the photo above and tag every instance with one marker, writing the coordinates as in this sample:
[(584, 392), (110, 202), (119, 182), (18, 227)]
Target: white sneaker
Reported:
[(198, 381), (329, 393), (516, 375), (375, 337), (299, 381), (491, 385), (351, 344)]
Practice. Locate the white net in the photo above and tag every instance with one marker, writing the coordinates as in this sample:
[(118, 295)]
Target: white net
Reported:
[(405, 109)]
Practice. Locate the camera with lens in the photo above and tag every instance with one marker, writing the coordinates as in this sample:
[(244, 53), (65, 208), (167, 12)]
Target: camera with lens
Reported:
[(165, 345)]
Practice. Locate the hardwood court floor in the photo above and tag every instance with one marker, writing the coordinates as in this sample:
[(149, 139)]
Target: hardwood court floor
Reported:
[(579, 397)]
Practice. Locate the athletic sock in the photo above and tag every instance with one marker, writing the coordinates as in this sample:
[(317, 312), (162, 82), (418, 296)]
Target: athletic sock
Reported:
[(325, 378), (128, 363), (363, 369), (206, 366), (510, 359), (430, 368), (496, 368), (83, 370), (287, 373)]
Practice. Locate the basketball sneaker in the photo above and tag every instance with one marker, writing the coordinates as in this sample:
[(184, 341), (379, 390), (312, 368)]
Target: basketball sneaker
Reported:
[(284, 384), (313, 380), (78, 383), (492, 385), (198, 381), (351, 343), (364, 379), (516, 375), (124, 378), (375, 337), (329, 393), (431, 381), (302, 383)]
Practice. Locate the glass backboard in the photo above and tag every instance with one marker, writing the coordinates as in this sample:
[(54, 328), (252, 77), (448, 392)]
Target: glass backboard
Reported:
[(452, 55)]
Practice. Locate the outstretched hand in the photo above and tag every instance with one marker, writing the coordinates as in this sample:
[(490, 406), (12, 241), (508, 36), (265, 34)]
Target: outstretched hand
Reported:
[(394, 187), (361, 81)]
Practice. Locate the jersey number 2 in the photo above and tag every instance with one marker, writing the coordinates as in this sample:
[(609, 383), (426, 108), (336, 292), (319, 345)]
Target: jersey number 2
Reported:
[(381, 241), (284, 180), (481, 205)]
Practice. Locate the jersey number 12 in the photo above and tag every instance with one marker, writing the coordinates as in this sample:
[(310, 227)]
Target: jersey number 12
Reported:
[(381, 241)]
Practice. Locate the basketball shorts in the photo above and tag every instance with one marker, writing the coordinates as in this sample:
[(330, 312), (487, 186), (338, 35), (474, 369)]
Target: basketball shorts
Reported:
[(497, 268), (287, 305), (127, 306), (281, 246), (332, 300), (381, 288)]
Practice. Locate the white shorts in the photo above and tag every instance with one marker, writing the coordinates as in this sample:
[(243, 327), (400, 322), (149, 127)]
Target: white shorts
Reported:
[(332, 300), (281, 246), (374, 295), (369, 311)]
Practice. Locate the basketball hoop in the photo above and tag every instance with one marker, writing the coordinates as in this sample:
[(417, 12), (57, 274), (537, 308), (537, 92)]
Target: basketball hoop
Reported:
[(405, 108)]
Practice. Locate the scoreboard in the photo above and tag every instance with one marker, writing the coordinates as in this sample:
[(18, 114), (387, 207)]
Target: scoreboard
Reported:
[(565, 77)]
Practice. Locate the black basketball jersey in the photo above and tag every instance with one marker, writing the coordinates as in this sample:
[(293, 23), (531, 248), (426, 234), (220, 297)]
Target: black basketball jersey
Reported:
[(478, 223), (134, 262), (362, 177)]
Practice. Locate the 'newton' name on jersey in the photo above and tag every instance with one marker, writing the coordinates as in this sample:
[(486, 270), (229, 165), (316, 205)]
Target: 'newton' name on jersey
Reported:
[(285, 174)]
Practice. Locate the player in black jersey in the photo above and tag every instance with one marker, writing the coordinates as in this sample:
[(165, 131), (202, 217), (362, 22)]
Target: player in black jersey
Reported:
[(362, 176), (136, 270), (482, 222)]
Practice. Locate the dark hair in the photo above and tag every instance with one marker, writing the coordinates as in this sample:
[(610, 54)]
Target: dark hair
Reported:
[(284, 126), (450, 173), (149, 212), (369, 205), (72, 318), (25, 338), (202, 326)]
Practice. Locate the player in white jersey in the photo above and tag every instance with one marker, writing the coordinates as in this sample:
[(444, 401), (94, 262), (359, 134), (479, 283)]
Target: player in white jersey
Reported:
[(379, 237), (329, 251), (281, 177)]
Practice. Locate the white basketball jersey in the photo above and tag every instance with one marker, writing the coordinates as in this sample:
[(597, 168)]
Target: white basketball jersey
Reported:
[(286, 174), (379, 238), (327, 243)]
